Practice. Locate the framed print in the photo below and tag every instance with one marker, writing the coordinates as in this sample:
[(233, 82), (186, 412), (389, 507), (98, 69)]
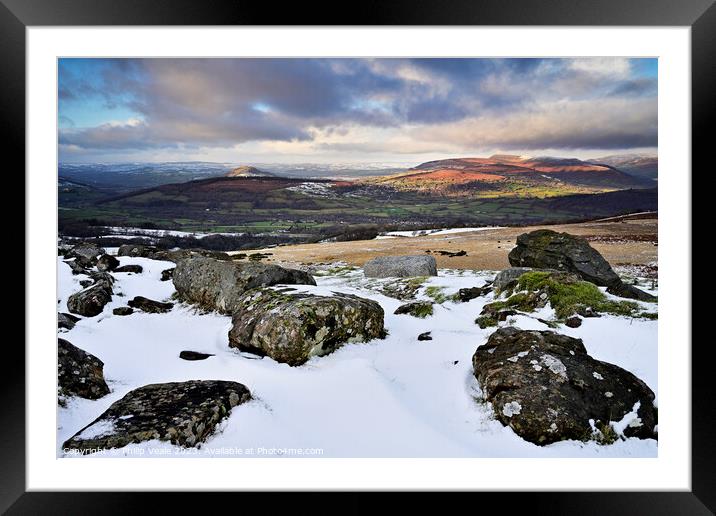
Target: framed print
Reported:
[(425, 249)]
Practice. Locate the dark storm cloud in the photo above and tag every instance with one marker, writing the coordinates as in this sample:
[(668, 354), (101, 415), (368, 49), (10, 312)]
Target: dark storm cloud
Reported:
[(223, 102)]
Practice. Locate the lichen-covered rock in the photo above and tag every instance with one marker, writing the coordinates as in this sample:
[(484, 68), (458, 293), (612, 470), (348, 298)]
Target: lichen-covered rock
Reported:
[(90, 301), (220, 285), (66, 321), (547, 388), (183, 413), (79, 373), (292, 327), (150, 305), (420, 309), (400, 267), (136, 269), (546, 249), (106, 263)]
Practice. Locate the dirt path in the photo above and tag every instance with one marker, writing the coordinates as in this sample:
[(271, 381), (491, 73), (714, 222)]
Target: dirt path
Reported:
[(632, 241)]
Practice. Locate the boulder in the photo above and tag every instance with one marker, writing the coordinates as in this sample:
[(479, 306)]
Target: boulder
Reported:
[(123, 310), (106, 263), (137, 250), (90, 301), (103, 279), (292, 327), (573, 322), (167, 274), (194, 355), (85, 252), (425, 336), (546, 249), (220, 285), (77, 267), (149, 305), (183, 413), (421, 309), (400, 267), (468, 294), (507, 278), (66, 321), (136, 269), (547, 388), (79, 373)]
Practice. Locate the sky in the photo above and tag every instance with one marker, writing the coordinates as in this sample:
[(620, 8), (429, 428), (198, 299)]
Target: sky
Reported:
[(353, 110)]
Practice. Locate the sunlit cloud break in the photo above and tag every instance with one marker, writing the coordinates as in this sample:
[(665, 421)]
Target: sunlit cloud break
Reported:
[(352, 110)]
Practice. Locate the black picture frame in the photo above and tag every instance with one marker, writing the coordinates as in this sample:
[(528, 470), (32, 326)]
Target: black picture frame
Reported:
[(17, 15)]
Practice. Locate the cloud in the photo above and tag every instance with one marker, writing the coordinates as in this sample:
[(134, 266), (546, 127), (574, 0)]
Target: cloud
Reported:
[(407, 104)]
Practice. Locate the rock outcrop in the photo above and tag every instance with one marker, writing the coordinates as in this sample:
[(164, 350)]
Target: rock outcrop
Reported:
[(79, 373), (400, 267), (220, 285), (546, 249), (292, 327), (183, 413), (547, 388)]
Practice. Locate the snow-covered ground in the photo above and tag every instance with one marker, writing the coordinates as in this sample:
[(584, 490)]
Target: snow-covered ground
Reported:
[(397, 397), (425, 232)]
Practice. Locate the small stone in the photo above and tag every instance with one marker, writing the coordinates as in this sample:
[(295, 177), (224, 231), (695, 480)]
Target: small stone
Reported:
[(194, 355), (425, 336)]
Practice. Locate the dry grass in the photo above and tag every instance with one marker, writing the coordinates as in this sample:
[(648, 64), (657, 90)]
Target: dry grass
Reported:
[(625, 242)]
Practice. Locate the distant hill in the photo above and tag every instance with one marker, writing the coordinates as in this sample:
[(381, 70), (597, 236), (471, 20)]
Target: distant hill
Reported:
[(637, 165), (503, 175), (247, 171)]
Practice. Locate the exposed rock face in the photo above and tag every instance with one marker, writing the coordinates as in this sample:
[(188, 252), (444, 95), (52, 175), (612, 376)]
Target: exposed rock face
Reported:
[(66, 321), (136, 269), (292, 327), (419, 309), (107, 263), (220, 285), (400, 267), (149, 305), (546, 249), (79, 373), (546, 388), (183, 413), (90, 301)]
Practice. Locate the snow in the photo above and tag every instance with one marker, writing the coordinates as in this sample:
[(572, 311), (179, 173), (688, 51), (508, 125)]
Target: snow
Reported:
[(397, 397), (425, 232)]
